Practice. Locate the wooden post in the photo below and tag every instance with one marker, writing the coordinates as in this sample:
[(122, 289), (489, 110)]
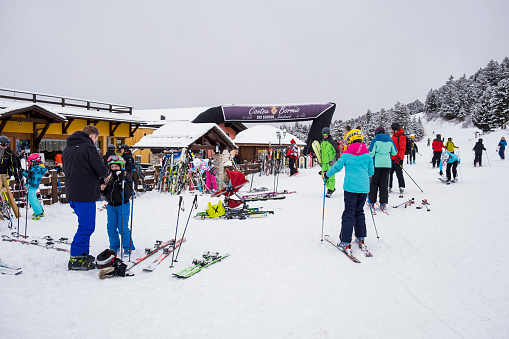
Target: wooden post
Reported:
[(4, 188), (54, 186)]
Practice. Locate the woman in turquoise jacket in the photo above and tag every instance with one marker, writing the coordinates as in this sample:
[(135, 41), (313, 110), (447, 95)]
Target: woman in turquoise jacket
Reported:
[(34, 175), (381, 149), (358, 168)]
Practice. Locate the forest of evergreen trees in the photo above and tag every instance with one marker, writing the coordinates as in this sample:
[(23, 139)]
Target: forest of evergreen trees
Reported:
[(482, 99)]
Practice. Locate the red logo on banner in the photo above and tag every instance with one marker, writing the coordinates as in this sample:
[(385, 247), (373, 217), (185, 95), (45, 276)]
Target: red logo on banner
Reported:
[(273, 110)]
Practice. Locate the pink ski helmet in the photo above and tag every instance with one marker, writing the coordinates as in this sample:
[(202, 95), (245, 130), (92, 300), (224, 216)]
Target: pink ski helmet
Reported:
[(34, 158)]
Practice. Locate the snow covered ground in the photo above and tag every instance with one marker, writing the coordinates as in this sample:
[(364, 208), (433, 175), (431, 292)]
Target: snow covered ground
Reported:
[(437, 274)]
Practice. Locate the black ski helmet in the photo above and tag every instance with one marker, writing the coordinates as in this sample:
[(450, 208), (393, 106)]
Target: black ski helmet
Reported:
[(439, 136), (4, 140), (480, 139), (111, 147), (326, 130), (124, 147), (395, 126)]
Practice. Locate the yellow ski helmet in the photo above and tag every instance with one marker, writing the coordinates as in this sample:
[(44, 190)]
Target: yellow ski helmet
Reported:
[(354, 134)]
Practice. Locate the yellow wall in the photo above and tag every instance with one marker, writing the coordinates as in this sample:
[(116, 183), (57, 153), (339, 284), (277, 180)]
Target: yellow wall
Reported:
[(140, 133)]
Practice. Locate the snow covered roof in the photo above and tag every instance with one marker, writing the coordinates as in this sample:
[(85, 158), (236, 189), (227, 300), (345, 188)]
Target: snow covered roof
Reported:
[(69, 112), (170, 114), (262, 134), (179, 134)]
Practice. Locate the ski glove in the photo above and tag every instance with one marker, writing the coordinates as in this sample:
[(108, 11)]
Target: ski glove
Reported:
[(332, 162), (324, 176), (118, 269)]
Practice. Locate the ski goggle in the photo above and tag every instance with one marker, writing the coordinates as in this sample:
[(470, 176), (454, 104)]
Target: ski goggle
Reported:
[(5, 145), (325, 135)]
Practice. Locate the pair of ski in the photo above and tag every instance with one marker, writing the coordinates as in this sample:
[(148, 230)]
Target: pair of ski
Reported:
[(61, 240), (9, 270), (48, 245), (364, 250), (445, 181), (372, 209), (208, 259), (167, 247)]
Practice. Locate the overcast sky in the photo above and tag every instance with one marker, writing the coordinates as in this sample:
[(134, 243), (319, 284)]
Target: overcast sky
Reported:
[(169, 54)]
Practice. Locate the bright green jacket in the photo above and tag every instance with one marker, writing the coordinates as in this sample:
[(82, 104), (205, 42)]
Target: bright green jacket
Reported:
[(329, 152)]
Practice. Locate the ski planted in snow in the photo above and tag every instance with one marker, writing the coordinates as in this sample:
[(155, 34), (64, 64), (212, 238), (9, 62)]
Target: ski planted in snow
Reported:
[(350, 256), (48, 244), (166, 252), (208, 259)]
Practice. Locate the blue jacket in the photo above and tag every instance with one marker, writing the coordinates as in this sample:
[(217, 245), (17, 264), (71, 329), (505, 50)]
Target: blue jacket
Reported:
[(36, 173), (358, 168), (502, 144), (381, 149), (451, 158)]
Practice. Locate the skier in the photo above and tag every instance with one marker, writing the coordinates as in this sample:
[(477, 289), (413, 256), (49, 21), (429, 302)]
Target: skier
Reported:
[(292, 155), (450, 146), (452, 161), (381, 149), (437, 146), (83, 167), (118, 209), (8, 161), (478, 148), (413, 149), (358, 168), (429, 140), (58, 161), (34, 175), (128, 158), (397, 160), (110, 150), (330, 154), (501, 148)]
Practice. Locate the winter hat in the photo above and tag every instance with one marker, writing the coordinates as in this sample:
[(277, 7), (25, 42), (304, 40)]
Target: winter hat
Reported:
[(106, 258), (395, 126), (115, 159), (480, 139), (5, 141), (353, 135), (380, 130), (34, 158), (326, 130), (292, 141)]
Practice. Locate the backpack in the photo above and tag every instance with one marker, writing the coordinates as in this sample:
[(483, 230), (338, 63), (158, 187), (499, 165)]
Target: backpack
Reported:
[(407, 143)]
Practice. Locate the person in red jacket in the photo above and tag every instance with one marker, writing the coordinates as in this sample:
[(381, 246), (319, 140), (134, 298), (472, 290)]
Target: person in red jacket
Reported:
[(397, 160), (437, 146), (292, 155)]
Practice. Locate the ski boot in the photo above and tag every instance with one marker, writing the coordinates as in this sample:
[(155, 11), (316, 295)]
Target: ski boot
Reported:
[(38, 216), (81, 263), (329, 193), (401, 191)]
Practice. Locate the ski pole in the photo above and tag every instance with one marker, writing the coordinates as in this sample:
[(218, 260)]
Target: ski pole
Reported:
[(411, 201), (122, 215), (193, 206), (26, 200), (323, 206), (487, 158), (176, 228), (373, 218), (132, 211), (411, 178)]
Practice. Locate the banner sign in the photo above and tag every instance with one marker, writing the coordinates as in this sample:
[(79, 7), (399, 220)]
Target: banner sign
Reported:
[(276, 113)]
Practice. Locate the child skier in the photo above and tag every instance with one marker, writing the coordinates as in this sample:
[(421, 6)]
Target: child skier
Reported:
[(118, 210), (292, 155), (452, 161), (34, 175), (358, 168), (450, 146), (381, 149), (478, 148)]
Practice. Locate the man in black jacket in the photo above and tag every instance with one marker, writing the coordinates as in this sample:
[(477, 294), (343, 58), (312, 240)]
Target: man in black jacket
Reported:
[(128, 158), (478, 148), (83, 168), (8, 161)]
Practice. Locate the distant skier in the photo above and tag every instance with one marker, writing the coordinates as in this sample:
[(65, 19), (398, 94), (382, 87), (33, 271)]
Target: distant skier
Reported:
[(358, 168), (438, 147), (292, 155), (450, 146), (452, 161), (501, 148), (429, 140), (381, 149), (478, 148), (413, 149), (330, 154)]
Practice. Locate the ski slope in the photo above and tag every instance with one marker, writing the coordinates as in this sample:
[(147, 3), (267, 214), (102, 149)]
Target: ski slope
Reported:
[(436, 274)]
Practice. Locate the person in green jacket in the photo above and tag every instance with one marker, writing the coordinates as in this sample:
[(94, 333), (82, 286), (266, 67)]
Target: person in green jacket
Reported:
[(330, 154)]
